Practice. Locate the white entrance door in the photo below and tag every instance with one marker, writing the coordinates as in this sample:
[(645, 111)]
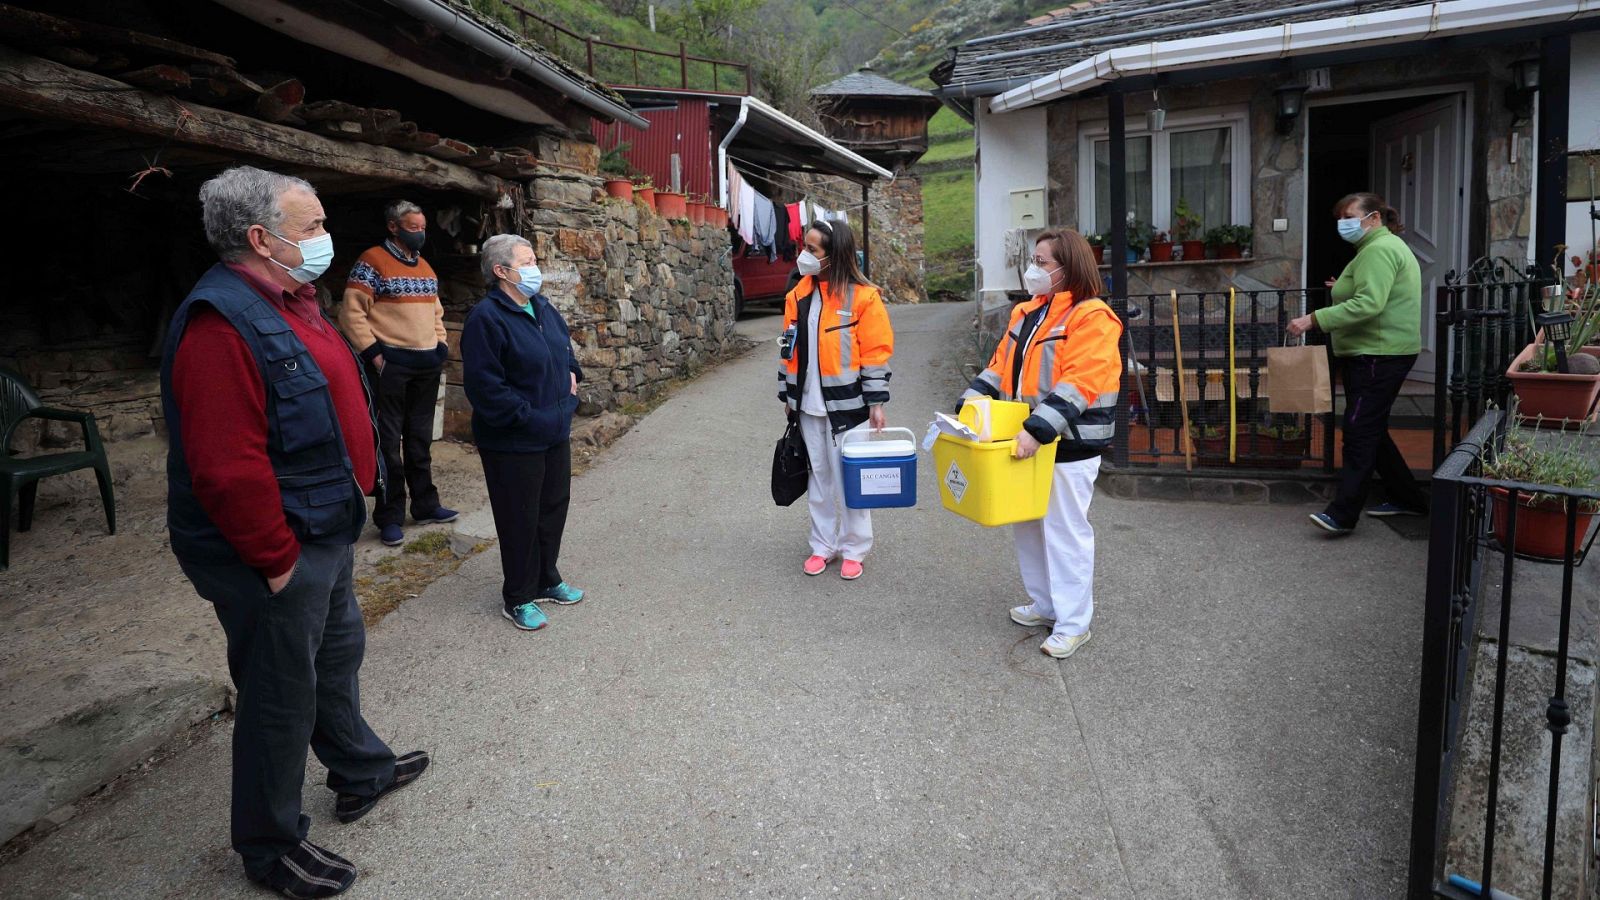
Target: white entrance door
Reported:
[(1417, 167)]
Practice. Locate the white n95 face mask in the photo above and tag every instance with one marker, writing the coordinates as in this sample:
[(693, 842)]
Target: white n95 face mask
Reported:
[(1037, 281), (808, 263)]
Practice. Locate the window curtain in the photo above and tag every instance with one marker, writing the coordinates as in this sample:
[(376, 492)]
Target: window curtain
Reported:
[(1140, 195), (1202, 174)]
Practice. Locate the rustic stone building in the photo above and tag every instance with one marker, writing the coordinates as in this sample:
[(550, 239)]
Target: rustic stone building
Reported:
[(114, 115)]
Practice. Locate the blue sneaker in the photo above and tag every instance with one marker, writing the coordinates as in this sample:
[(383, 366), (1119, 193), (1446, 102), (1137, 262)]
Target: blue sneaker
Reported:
[(1386, 510), (528, 617), (391, 535), (1326, 523), (437, 517), (563, 594)]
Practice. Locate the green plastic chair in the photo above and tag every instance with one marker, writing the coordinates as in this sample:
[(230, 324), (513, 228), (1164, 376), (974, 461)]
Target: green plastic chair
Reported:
[(20, 475)]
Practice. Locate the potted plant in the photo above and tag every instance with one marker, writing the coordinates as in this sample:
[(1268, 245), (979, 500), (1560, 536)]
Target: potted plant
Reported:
[(1186, 231), (617, 172), (644, 190), (1543, 391), (1256, 446), (1161, 248), (1230, 240), (1097, 243), (696, 206), (1138, 239), (1541, 518), (671, 204)]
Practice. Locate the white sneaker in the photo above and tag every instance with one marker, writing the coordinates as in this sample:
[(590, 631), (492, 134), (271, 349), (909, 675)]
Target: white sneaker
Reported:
[(1061, 646), (1024, 615)]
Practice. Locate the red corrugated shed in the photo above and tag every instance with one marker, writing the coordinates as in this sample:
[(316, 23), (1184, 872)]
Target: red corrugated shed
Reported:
[(685, 130)]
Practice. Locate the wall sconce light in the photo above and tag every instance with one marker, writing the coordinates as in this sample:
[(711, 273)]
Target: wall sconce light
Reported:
[(1524, 85), (1291, 101)]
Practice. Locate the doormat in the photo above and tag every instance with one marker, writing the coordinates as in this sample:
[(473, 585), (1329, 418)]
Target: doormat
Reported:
[(1412, 528)]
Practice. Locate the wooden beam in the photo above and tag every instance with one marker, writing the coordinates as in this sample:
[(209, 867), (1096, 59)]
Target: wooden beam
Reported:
[(37, 27), (53, 91)]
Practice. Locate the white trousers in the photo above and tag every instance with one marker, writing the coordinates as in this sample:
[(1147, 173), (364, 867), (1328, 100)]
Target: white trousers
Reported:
[(1056, 553), (836, 530)]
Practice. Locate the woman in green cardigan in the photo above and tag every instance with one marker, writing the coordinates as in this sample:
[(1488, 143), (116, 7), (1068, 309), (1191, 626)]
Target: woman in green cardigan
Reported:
[(1375, 322)]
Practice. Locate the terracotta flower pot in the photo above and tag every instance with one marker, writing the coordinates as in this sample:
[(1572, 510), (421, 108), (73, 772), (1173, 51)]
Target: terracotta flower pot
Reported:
[(647, 194), (1268, 453), (1541, 529), (716, 217), (1551, 394), (697, 212), (1193, 250), (672, 206), (1229, 251), (620, 188), (1099, 253), (1161, 251)]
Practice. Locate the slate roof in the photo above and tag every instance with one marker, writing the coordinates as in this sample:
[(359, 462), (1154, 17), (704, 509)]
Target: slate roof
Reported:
[(534, 48), (1121, 23), (867, 83)]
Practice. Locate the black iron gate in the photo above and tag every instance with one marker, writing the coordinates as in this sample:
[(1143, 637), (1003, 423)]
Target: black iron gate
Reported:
[(1484, 320), (1459, 544)]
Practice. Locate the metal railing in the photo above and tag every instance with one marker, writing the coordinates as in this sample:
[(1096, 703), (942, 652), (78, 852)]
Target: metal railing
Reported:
[(1465, 528), (615, 64), (1483, 323), (1154, 406)]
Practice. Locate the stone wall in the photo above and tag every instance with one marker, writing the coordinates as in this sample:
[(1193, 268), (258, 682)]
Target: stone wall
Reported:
[(896, 239), (648, 300)]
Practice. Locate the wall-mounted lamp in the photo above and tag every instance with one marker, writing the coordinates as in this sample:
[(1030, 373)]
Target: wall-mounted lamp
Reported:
[(1291, 101), (1524, 85)]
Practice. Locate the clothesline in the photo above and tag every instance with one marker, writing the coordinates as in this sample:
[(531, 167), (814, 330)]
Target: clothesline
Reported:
[(805, 190)]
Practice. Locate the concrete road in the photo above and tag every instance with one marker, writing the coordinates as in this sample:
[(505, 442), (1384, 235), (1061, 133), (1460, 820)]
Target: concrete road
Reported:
[(711, 722)]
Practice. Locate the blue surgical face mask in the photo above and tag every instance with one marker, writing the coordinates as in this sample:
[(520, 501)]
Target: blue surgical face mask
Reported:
[(532, 280), (316, 254), (1351, 230)]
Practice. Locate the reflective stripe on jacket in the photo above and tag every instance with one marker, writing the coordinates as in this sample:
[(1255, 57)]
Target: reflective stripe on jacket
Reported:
[(853, 350), (1070, 373)]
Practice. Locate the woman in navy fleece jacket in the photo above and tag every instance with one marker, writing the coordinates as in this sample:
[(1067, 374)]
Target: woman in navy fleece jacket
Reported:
[(522, 380)]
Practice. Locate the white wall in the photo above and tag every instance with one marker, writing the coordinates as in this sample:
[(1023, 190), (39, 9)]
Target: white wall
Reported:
[(1583, 124), (1012, 156)]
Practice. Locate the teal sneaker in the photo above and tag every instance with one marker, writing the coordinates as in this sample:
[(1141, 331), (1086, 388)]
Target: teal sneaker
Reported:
[(563, 594), (528, 617)]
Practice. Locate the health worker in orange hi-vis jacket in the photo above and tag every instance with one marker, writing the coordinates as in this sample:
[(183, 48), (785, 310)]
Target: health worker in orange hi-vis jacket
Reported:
[(834, 376), (1060, 356)]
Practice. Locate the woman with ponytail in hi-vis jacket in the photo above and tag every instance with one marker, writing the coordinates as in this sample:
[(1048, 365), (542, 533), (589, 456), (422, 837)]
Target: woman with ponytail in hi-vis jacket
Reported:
[(1060, 356), (835, 378)]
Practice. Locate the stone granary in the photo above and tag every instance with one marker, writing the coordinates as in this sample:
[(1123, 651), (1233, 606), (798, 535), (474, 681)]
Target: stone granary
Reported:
[(114, 114), (886, 122)]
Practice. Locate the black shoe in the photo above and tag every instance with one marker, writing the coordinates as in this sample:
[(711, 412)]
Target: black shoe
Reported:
[(310, 871), (407, 769)]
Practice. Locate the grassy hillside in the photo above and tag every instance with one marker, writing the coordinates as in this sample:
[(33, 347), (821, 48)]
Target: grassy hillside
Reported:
[(947, 206)]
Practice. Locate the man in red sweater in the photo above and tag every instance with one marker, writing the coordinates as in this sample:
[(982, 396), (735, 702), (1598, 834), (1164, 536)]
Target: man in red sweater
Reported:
[(272, 452)]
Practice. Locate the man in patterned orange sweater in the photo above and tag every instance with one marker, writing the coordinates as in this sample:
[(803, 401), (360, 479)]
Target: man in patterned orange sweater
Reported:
[(393, 317)]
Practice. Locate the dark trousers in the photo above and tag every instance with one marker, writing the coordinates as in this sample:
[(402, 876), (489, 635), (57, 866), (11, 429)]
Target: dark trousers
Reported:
[(529, 493), (406, 399), (1371, 384), (294, 658)]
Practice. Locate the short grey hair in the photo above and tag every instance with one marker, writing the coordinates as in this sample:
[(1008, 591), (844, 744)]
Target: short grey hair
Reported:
[(241, 197), (500, 250), (399, 209)]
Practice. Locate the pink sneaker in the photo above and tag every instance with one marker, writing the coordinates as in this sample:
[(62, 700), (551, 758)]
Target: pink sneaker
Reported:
[(815, 565), (850, 570)]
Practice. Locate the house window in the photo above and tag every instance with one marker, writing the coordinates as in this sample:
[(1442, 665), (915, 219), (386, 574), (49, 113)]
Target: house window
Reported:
[(1199, 159)]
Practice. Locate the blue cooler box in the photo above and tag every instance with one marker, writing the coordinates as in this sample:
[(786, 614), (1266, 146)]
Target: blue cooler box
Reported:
[(879, 473)]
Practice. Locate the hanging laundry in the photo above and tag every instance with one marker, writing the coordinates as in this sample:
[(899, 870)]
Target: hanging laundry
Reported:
[(748, 198), (797, 224), (784, 241), (766, 226)]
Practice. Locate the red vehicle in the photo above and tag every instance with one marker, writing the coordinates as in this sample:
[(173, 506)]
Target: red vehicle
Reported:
[(755, 278)]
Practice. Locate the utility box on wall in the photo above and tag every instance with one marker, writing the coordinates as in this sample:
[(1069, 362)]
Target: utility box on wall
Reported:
[(1027, 209)]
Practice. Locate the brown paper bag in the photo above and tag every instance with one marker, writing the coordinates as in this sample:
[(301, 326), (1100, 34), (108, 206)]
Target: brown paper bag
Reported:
[(1300, 381)]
